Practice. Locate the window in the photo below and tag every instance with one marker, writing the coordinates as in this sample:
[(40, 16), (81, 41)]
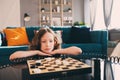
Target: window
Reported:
[(99, 20), (115, 17)]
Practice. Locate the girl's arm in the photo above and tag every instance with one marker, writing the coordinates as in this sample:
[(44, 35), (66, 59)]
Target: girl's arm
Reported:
[(70, 50), (22, 54)]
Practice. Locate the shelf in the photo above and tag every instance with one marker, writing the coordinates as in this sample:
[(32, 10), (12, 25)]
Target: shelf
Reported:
[(56, 4), (67, 12), (56, 12), (45, 5), (67, 4)]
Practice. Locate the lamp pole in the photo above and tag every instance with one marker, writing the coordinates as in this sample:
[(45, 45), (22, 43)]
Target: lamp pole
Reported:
[(23, 22)]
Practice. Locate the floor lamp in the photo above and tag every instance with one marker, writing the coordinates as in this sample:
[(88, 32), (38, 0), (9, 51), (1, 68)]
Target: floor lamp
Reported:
[(26, 18)]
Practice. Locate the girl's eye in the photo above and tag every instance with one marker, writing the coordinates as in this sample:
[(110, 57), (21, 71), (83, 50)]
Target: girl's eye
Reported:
[(51, 40)]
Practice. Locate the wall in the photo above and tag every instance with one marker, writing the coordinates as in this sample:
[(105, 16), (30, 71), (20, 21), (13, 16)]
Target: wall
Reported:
[(12, 12), (30, 7), (78, 10), (9, 13), (87, 12)]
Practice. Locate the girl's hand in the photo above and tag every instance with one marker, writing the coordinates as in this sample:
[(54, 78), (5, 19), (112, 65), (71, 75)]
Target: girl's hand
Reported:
[(22, 54), (70, 50), (43, 54), (55, 52)]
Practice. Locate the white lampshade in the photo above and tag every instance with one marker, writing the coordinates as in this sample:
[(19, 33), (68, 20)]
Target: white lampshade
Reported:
[(26, 17)]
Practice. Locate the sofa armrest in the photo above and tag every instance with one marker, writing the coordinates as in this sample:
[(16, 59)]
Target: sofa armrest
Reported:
[(100, 37), (104, 41), (8, 50)]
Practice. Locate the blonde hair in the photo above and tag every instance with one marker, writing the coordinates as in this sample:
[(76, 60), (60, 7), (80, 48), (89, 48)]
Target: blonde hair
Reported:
[(36, 45)]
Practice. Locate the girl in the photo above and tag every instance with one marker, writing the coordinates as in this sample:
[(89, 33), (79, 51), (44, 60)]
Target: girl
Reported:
[(45, 43)]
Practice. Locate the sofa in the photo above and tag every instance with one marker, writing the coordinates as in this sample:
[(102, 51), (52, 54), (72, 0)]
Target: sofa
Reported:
[(96, 48)]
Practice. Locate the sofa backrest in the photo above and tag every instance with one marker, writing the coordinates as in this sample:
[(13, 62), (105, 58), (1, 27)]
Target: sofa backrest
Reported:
[(65, 33), (30, 31), (95, 35)]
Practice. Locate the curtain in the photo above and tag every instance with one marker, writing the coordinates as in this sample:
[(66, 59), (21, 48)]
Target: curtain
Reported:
[(93, 7), (107, 10), (115, 16), (87, 12)]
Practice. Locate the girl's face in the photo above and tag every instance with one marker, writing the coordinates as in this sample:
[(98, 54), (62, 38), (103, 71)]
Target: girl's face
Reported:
[(47, 42)]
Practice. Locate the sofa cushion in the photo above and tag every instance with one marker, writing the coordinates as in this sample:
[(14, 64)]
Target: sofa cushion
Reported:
[(80, 35), (16, 36), (89, 50)]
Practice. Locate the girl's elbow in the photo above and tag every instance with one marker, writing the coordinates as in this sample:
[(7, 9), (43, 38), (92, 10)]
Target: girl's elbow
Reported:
[(79, 51)]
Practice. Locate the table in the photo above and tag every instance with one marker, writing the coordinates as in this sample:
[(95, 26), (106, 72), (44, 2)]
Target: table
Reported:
[(19, 71), (100, 70)]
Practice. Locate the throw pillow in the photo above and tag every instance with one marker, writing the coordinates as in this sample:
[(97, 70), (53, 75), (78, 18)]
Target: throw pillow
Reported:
[(59, 35), (80, 35), (36, 31), (16, 36)]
